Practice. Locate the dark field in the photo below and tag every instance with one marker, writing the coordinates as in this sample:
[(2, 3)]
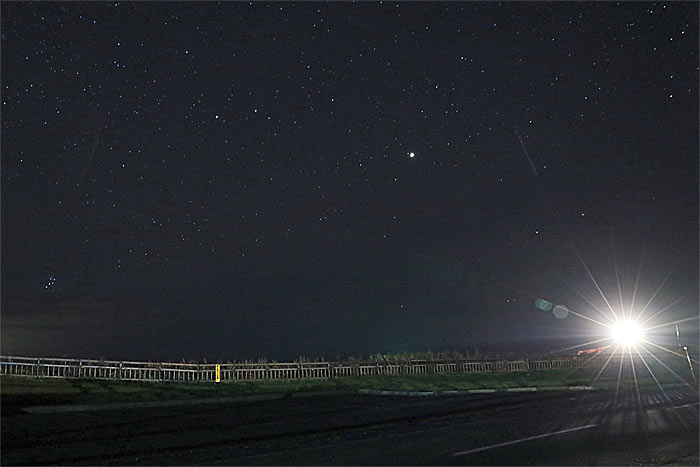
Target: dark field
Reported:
[(616, 426), (20, 392)]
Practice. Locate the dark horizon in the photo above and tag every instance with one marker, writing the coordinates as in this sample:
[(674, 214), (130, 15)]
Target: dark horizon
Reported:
[(274, 180)]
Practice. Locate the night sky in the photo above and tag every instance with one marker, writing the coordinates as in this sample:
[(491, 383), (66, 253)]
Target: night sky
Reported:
[(244, 180)]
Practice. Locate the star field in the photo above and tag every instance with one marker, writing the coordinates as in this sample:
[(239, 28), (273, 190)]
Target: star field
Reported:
[(230, 180)]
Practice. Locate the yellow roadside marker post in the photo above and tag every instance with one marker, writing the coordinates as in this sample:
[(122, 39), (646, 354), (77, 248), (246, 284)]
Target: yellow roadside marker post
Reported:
[(218, 373)]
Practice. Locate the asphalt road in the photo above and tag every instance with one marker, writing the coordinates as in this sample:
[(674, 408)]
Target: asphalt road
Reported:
[(543, 428)]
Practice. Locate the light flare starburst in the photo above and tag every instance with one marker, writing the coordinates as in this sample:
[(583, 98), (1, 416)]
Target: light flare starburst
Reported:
[(627, 333)]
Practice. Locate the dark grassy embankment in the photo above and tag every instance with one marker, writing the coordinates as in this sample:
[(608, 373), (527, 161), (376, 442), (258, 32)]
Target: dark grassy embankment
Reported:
[(22, 392)]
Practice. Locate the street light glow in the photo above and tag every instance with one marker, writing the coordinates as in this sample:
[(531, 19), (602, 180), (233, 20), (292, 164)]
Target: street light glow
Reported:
[(627, 333)]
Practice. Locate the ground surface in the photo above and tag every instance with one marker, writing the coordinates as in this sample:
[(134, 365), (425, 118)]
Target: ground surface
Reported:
[(24, 391), (602, 427), (35, 391)]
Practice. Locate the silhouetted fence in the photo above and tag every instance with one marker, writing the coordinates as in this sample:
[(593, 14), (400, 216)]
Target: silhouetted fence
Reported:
[(166, 371)]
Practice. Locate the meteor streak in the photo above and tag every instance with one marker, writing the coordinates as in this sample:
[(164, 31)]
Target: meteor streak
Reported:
[(517, 133)]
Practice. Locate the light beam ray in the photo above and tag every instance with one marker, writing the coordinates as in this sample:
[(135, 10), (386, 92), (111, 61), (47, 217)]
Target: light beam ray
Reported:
[(617, 280), (669, 323), (590, 319), (580, 345), (636, 282), (636, 383), (663, 391), (679, 377), (663, 348), (600, 291), (590, 359), (662, 310), (617, 386), (590, 303), (585, 363), (658, 289), (604, 366), (670, 402)]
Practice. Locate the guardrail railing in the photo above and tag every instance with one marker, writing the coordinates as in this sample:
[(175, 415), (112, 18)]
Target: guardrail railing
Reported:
[(190, 372)]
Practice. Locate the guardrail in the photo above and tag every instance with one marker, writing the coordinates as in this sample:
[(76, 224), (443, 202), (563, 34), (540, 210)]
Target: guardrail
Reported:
[(191, 372)]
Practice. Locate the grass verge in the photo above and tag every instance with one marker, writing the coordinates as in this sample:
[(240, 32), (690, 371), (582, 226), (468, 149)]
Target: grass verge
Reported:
[(22, 392)]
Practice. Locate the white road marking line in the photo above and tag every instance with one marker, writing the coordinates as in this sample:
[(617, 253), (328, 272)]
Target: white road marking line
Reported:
[(687, 405), (508, 443)]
